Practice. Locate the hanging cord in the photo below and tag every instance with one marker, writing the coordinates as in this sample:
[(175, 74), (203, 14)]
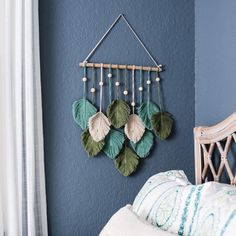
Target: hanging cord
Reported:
[(148, 89), (132, 30), (140, 41), (110, 85), (93, 85), (141, 86), (101, 87), (85, 82), (148, 85), (159, 93), (133, 90), (126, 85), (117, 82)]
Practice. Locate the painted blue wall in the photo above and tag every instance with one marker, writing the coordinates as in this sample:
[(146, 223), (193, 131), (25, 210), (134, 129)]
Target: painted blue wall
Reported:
[(82, 193), (215, 60)]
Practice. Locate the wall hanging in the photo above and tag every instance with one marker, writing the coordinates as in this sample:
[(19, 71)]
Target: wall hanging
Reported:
[(125, 130)]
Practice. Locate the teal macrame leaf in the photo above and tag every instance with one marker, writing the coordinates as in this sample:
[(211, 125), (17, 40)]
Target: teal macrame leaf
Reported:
[(118, 113), (143, 147), (126, 162), (91, 147), (162, 123), (145, 112), (113, 143), (82, 110)]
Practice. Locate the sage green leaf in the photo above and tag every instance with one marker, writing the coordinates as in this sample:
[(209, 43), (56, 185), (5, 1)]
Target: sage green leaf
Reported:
[(162, 123), (118, 113), (113, 143), (82, 110), (126, 162), (145, 112), (91, 147), (143, 147)]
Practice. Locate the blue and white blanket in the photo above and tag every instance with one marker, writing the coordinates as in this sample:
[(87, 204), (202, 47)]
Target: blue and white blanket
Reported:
[(169, 201)]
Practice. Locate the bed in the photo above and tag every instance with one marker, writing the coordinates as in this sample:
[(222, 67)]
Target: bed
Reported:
[(168, 204)]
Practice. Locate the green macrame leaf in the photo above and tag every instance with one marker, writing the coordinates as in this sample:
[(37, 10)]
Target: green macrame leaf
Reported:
[(113, 143), (162, 123), (118, 112), (91, 147), (127, 161), (82, 110), (143, 147), (145, 112)]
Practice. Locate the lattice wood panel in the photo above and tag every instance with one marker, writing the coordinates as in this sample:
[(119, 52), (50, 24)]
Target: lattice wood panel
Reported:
[(206, 141)]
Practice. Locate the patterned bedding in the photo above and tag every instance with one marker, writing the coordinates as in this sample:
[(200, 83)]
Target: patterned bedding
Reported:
[(169, 201)]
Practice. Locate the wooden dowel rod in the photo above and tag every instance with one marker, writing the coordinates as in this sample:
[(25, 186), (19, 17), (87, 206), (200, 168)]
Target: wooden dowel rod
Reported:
[(115, 66)]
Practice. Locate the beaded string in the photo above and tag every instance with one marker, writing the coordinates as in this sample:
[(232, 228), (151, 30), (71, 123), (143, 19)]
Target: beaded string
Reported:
[(93, 85), (85, 80), (160, 101), (148, 88), (101, 87), (126, 89), (148, 85), (117, 82), (133, 90), (110, 83), (141, 85)]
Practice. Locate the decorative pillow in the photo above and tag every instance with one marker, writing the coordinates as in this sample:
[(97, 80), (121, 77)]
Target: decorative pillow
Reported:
[(126, 223), (169, 201)]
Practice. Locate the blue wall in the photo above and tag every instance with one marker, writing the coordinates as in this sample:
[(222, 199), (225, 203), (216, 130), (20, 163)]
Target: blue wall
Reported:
[(215, 60), (82, 193)]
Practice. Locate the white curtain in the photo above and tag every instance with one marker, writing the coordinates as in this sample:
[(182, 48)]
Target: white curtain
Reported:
[(22, 179)]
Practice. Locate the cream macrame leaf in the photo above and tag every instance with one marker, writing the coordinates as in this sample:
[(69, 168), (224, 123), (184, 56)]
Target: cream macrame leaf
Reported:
[(134, 128), (82, 110), (113, 143), (99, 126), (143, 147), (162, 123), (127, 161), (118, 113), (91, 147)]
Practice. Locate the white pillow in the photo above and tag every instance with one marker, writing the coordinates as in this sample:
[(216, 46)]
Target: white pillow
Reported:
[(169, 201), (126, 223)]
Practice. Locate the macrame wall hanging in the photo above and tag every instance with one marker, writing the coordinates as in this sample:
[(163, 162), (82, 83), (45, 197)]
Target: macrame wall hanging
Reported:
[(125, 130)]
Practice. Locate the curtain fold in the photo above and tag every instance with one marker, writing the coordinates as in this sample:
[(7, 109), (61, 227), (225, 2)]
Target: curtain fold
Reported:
[(22, 178)]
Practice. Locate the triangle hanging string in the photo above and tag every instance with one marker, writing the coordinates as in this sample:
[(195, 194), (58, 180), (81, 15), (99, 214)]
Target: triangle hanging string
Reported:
[(121, 16)]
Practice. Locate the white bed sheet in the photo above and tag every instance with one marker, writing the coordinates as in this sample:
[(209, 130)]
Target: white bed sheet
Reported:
[(126, 223)]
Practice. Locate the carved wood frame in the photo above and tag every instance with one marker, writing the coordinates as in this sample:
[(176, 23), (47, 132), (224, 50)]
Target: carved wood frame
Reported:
[(212, 135)]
